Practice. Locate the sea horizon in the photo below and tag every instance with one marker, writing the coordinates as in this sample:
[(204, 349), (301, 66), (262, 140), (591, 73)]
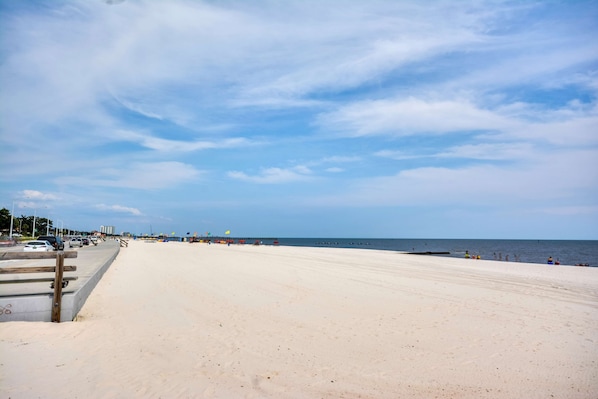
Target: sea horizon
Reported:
[(566, 252)]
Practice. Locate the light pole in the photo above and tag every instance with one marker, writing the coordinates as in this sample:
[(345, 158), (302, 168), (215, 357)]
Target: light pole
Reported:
[(61, 226), (12, 216), (33, 228), (48, 226)]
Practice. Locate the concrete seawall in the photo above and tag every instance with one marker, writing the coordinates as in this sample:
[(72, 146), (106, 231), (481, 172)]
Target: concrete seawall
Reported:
[(33, 301)]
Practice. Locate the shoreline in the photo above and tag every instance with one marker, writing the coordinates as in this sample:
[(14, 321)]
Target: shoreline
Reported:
[(180, 320), (566, 252)]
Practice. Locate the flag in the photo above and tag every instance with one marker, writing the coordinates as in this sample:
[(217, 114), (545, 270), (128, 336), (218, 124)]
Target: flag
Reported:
[(227, 232)]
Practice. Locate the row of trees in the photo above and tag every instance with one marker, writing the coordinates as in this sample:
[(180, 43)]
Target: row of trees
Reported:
[(24, 224)]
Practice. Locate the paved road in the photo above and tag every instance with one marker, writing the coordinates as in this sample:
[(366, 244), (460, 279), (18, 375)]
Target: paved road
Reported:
[(89, 259)]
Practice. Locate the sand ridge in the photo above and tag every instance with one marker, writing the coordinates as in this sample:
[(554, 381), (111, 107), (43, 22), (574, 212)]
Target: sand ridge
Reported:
[(215, 321)]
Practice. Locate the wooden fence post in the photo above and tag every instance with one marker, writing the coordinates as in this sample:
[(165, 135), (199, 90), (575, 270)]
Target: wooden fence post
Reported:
[(56, 303)]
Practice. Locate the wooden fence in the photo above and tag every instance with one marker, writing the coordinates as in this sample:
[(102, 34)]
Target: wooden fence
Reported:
[(58, 281)]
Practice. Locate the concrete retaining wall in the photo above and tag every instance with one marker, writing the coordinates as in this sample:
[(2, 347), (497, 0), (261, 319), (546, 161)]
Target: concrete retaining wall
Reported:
[(39, 307)]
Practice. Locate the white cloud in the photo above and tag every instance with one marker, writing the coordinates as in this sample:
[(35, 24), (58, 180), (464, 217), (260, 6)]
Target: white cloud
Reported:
[(400, 155), (160, 144), (490, 151), (274, 175), (38, 195), (573, 131), (119, 208), (530, 182), (411, 116), (142, 176)]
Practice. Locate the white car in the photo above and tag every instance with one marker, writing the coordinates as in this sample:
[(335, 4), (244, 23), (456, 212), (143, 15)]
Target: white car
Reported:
[(75, 242), (38, 246)]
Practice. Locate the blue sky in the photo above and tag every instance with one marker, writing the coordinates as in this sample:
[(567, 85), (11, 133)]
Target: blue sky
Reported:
[(406, 119)]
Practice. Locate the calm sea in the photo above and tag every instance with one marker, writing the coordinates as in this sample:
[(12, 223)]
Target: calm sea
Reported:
[(568, 252)]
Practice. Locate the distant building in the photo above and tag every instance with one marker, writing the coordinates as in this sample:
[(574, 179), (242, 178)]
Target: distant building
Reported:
[(109, 230)]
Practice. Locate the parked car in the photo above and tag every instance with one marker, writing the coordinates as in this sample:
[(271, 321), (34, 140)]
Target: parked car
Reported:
[(75, 242), (6, 241), (55, 241), (85, 241), (38, 246)]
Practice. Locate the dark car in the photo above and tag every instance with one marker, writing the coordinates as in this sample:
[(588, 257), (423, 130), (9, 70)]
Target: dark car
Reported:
[(56, 242)]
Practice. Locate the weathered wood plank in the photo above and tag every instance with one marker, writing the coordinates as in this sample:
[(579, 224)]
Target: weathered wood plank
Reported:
[(57, 301), (36, 280), (36, 255), (34, 269)]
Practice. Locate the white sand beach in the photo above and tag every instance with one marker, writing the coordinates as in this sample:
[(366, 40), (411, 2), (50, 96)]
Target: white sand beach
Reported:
[(179, 320)]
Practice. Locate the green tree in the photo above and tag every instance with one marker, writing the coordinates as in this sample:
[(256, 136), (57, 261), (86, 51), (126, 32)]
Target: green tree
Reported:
[(23, 224), (4, 220), (28, 225)]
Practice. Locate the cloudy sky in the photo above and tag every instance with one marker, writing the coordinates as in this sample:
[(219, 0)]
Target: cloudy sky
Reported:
[(406, 119)]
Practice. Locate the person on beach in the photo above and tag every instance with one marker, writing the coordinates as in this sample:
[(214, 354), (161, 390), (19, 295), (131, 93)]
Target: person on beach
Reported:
[(466, 254), (550, 261)]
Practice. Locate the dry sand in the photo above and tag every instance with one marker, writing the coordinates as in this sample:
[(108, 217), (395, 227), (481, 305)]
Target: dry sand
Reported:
[(178, 320)]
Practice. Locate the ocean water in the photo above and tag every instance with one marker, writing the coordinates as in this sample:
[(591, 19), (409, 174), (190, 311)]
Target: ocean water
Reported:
[(568, 252)]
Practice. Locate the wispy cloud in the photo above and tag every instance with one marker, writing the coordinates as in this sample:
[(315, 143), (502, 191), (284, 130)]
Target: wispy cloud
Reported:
[(482, 151), (38, 195), (140, 176), (528, 183), (119, 209), (160, 144), (274, 175), (411, 116)]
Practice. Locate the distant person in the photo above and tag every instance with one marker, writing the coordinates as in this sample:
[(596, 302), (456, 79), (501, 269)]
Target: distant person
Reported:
[(550, 261), (467, 256)]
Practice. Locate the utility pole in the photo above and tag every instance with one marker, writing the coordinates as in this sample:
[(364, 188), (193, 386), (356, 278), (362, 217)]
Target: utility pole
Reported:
[(12, 216), (33, 228)]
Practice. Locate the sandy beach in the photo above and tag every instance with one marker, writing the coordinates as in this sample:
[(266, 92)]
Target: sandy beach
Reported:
[(179, 320)]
